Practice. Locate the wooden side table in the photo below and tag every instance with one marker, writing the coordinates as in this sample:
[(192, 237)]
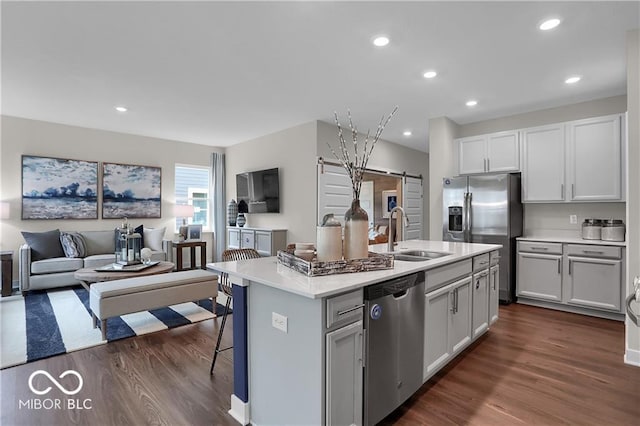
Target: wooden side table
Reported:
[(179, 245), (7, 272)]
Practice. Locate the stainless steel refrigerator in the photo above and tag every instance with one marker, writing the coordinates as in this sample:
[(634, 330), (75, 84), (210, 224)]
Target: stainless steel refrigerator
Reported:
[(486, 209)]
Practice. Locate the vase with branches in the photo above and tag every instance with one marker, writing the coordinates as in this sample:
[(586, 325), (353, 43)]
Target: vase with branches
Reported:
[(355, 161)]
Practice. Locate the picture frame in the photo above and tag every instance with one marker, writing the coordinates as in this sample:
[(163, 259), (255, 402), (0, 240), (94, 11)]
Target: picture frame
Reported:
[(131, 191), (389, 201), (59, 188), (194, 233)]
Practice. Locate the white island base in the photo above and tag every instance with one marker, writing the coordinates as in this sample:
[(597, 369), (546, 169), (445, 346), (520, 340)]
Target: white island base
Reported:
[(299, 341)]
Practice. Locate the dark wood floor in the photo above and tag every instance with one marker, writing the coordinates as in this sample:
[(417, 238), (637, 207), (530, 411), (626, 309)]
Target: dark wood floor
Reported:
[(535, 366)]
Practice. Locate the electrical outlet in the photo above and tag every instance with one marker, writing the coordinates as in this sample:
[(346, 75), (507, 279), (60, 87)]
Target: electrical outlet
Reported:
[(279, 321), (573, 219)]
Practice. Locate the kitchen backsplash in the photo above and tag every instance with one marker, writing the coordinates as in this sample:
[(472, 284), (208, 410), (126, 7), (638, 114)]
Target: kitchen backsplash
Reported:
[(545, 218)]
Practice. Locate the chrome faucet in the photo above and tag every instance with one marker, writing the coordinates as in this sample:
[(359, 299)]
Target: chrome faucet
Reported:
[(392, 229)]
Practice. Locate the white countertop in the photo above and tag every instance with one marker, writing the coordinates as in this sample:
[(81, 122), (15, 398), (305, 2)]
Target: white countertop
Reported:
[(267, 271), (570, 240)]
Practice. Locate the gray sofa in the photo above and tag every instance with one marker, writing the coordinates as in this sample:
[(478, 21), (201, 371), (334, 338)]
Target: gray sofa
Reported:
[(58, 271)]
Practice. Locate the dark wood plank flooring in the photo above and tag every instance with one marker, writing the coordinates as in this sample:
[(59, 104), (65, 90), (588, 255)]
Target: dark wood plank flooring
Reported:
[(535, 366)]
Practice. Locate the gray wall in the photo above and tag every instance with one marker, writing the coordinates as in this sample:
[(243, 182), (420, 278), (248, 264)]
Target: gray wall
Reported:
[(31, 137), (442, 132), (594, 108), (293, 152)]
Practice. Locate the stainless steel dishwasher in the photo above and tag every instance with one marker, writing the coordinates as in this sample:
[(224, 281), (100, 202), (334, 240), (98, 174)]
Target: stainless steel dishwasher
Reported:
[(394, 327)]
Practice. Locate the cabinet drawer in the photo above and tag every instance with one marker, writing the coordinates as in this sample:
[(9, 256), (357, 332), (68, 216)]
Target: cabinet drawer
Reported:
[(481, 262), (539, 247), (588, 250), (344, 308), (446, 274)]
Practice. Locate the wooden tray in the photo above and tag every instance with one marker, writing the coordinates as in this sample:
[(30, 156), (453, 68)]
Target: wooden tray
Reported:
[(374, 262)]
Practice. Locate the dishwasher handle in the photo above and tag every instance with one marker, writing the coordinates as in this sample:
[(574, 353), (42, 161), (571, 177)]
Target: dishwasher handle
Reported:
[(400, 294)]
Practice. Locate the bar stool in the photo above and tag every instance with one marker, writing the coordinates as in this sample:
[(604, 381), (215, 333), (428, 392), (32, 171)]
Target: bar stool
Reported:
[(226, 287)]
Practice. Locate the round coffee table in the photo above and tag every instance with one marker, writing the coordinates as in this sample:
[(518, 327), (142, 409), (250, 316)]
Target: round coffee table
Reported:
[(88, 276)]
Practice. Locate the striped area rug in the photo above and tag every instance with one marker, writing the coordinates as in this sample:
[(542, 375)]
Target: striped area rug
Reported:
[(48, 323)]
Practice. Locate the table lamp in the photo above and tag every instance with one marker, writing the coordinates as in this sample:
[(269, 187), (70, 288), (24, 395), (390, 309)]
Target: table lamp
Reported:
[(184, 211)]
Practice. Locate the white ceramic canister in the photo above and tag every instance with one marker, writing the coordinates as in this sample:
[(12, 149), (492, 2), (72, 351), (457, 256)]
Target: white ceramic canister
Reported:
[(329, 239), (591, 229), (613, 230)]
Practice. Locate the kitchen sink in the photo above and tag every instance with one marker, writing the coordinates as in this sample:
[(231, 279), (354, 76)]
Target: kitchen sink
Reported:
[(418, 255)]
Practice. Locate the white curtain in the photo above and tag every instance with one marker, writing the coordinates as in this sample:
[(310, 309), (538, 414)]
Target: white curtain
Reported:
[(218, 206)]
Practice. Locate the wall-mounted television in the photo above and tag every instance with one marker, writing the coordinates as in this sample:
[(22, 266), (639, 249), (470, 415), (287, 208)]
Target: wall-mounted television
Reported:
[(258, 192)]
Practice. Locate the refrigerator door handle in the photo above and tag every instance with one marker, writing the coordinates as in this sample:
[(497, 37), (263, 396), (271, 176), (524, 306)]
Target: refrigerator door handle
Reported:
[(469, 196)]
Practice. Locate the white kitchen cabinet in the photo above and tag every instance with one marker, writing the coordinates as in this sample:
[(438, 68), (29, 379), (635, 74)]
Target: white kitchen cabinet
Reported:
[(267, 242), (494, 293), (480, 306), (247, 238), (460, 318), (233, 238), (447, 324), (575, 161), (496, 152), (543, 164), (540, 271), (593, 276), (344, 375), (594, 166), (579, 278), (472, 158), (437, 350)]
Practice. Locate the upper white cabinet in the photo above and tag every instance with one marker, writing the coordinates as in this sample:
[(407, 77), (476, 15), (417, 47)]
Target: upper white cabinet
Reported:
[(594, 159), (573, 161), (496, 152), (543, 163), (472, 155)]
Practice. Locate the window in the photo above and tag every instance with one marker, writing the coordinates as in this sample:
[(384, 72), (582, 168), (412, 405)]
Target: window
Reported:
[(192, 187)]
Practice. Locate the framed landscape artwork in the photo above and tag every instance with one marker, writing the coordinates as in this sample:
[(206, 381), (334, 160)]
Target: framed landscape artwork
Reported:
[(130, 191), (56, 188)]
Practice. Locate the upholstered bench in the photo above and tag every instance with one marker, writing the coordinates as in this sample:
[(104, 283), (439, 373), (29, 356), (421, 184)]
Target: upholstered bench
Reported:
[(114, 298)]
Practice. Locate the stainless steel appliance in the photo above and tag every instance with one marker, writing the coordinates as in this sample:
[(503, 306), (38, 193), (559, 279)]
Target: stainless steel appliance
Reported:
[(486, 209), (394, 327)]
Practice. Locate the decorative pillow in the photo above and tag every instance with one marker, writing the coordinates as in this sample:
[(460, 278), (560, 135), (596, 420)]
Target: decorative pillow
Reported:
[(153, 238), (140, 230), (73, 244), (44, 245)]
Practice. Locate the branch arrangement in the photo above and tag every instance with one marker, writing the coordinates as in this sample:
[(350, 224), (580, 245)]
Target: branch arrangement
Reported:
[(356, 167)]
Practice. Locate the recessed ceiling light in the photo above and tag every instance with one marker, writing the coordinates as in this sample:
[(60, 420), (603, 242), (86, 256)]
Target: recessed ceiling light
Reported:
[(381, 41), (121, 109), (429, 74), (472, 103), (407, 133), (573, 79), (549, 24)]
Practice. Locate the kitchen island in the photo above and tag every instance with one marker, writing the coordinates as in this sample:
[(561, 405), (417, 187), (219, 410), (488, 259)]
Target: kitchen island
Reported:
[(298, 341)]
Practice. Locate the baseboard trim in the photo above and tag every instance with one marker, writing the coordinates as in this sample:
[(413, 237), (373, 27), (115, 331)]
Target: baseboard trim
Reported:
[(571, 309), (632, 357), (239, 410)]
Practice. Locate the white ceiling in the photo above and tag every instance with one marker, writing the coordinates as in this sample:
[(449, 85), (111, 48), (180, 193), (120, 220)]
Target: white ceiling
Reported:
[(219, 73)]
